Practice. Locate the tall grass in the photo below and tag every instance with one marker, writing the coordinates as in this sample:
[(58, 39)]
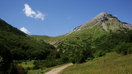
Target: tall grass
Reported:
[(111, 63), (27, 64)]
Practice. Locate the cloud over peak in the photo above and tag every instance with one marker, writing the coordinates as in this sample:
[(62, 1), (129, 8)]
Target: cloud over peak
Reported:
[(23, 29), (29, 12)]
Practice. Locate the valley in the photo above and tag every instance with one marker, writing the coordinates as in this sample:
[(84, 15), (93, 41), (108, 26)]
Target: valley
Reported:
[(101, 45)]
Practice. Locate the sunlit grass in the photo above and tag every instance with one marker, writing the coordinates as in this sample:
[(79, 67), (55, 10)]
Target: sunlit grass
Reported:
[(112, 63), (39, 71), (43, 70), (27, 64)]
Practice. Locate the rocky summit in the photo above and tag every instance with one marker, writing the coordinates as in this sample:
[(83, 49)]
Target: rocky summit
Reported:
[(106, 21)]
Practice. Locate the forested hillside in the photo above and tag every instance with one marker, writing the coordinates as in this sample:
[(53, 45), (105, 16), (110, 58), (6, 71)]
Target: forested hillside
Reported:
[(104, 33), (16, 45)]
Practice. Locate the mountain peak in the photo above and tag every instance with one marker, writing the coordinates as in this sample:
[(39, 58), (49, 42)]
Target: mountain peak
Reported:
[(103, 17), (106, 22), (102, 14)]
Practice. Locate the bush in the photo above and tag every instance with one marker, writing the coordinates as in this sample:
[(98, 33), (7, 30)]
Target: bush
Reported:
[(99, 53), (64, 59), (21, 70), (124, 48), (47, 63)]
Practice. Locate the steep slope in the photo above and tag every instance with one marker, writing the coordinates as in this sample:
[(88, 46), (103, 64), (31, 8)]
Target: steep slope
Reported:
[(16, 45), (8, 28), (106, 22), (20, 43), (102, 34), (101, 24)]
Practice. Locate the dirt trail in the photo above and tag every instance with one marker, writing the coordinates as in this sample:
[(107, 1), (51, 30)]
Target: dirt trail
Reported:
[(59, 69)]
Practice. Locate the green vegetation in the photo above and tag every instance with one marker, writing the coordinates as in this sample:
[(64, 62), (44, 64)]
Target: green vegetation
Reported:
[(111, 63), (93, 39), (16, 45), (43, 69), (21, 53), (39, 37), (38, 71), (27, 64), (22, 46), (81, 48), (5, 59)]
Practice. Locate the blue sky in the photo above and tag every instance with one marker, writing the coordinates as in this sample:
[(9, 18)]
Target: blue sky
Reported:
[(57, 17)]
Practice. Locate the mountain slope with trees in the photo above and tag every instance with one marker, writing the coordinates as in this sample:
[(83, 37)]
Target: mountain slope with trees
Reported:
[(16, 45), (104, 33)]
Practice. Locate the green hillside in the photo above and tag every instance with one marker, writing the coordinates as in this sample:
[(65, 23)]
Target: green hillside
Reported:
[(111, 63), (40, 37), (8, 28), (20, 43), (103, 23), (16, 45), (104, 33)]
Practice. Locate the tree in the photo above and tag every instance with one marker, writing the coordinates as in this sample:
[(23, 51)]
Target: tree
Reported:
[(5, 59)]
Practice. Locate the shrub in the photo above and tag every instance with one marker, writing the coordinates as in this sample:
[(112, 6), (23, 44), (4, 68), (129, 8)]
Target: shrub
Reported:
[(124, 48)]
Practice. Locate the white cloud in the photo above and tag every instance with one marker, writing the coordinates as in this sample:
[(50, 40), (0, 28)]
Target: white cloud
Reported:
[(23, 29), (39, 15), (31, 13)]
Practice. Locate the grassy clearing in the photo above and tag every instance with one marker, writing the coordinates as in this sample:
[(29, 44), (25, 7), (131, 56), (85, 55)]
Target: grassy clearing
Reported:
[(43, 70), (39, 71), (112, 63), (27, 64)]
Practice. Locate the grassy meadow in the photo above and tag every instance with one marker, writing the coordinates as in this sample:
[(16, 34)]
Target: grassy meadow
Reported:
[(28, 65), (111, 63)]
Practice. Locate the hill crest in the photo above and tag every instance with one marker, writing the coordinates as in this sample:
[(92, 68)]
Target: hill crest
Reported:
[(105, 21)]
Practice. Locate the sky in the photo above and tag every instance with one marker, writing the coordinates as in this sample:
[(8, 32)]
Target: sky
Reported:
[(58, 17)]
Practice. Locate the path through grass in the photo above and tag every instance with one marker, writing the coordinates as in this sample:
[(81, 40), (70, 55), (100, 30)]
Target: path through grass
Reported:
[(112, 63)]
